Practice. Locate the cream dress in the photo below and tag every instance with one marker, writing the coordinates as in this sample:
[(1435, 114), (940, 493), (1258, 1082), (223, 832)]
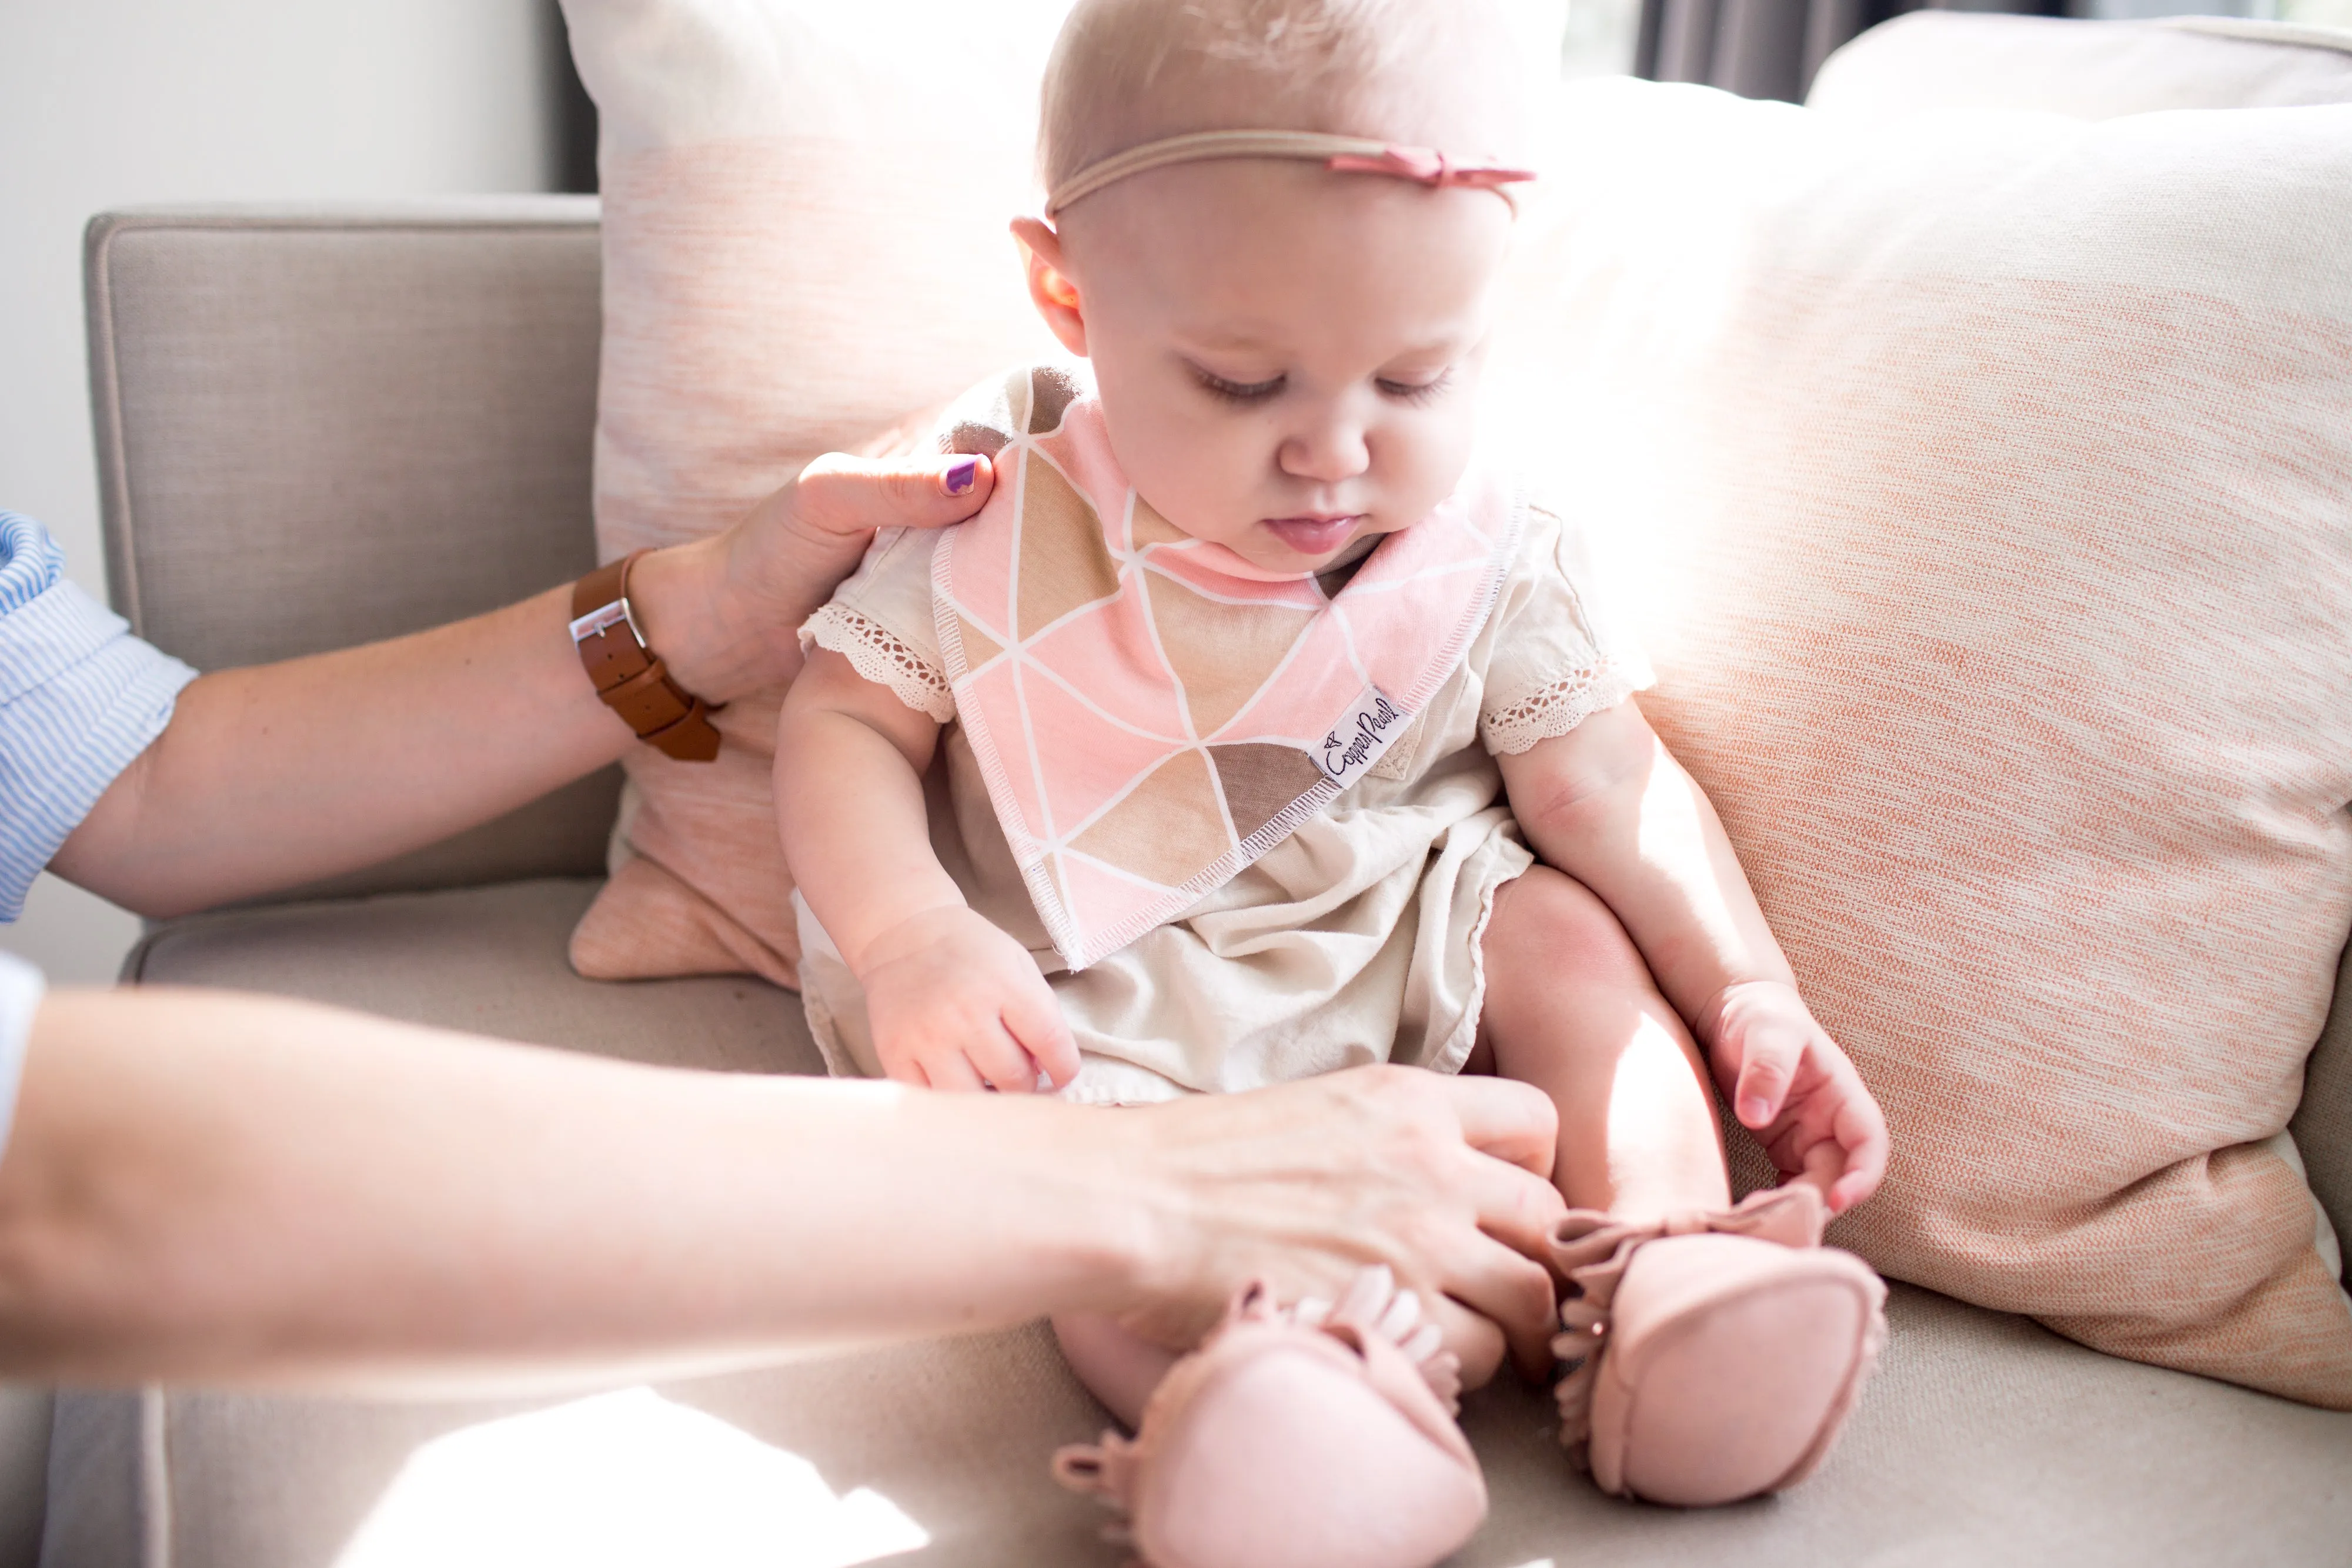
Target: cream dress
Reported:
[(1354, 940)]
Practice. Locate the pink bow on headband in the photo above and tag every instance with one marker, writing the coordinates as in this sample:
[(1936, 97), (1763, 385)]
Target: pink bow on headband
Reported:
[(1345, 154), (1428, 166)]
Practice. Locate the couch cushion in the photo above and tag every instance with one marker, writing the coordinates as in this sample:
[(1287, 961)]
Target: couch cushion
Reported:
[(321, 427), (488, 959), (1982, 1434), (1983, 1439)]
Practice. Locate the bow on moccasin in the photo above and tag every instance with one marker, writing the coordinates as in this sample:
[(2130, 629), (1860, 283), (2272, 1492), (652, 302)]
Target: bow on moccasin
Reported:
[(1718, 1353), (1591, 1251)]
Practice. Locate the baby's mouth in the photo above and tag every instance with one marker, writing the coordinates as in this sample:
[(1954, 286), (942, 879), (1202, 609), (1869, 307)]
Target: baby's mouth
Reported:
[(1314, 535)]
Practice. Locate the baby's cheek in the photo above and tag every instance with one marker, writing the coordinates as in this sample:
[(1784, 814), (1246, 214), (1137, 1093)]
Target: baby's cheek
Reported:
[(1432, 456), (1206, 486)]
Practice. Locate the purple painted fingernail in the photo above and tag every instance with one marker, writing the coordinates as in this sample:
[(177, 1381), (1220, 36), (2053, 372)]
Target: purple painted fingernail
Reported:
[(962, 475)]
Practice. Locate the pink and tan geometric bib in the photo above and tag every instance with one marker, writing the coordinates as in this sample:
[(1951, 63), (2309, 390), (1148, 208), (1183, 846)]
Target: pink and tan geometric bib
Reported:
[(1151, 712)]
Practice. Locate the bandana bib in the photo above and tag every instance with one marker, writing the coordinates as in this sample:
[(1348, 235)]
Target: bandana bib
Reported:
[(1151, 712)]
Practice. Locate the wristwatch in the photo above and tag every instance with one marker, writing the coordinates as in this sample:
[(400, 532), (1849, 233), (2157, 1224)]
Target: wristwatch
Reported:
[(629, 676)]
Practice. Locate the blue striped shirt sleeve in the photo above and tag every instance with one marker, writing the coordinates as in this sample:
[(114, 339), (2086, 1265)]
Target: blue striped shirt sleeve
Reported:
[(80, 698)]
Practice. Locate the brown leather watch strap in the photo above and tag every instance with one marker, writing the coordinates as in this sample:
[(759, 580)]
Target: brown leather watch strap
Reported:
[(629, 676)]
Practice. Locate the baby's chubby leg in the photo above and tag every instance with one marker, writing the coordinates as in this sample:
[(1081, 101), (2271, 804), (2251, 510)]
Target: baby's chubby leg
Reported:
[(1716, 1351), (1118, 1366), (1571, 1009)]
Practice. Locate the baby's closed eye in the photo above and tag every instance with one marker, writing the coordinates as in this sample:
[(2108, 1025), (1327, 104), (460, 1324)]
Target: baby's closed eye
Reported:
[(1415, 391), (1232, 391)]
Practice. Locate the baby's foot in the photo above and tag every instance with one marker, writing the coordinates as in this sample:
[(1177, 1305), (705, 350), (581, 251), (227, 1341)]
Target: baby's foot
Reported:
[(1317, 1435), (1718, 1354)]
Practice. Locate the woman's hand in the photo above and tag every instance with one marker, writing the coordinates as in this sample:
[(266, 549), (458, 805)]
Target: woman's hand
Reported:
[(421, 1213), (1446, 1180), (725, 613), (1789, 1082), (955, 1003)]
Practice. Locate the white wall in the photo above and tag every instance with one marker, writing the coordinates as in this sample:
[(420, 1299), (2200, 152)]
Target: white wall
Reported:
[(1599, 38), (112, 102)]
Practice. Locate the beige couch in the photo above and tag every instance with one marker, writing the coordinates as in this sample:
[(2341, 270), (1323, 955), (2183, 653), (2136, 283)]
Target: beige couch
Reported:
[(317, 428)]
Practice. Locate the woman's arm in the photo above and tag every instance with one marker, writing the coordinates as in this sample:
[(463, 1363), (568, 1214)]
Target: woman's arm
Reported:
[(1607, 804), (273, 775), (954, 1003), (214, 1187)]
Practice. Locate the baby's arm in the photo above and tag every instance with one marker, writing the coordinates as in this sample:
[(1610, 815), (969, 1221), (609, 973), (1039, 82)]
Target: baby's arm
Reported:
[(954, 1002), (1610, 805)]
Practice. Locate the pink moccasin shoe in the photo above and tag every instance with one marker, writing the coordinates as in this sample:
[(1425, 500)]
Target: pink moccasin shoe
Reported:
[(1719, 1353), (1289, 1444)]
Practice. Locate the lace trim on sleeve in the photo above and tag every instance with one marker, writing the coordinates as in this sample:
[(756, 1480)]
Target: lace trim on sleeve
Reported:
[(1556, 709), (883, 659)]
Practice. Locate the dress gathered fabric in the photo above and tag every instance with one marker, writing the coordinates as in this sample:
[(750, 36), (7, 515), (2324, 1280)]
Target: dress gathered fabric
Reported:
[(1354, 939)]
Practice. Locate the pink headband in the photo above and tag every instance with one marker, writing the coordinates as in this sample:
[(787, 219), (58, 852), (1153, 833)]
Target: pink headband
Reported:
[(1345, 154)]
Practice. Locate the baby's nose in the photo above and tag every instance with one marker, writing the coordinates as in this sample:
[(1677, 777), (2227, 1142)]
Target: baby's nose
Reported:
[(1328, 452)]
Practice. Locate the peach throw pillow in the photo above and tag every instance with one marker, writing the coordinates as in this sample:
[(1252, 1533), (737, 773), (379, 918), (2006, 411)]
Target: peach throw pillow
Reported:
[(1980, 485)]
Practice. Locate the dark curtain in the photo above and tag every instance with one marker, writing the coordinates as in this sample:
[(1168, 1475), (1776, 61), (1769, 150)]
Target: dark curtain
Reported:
[(1771, 48), (575, 113)]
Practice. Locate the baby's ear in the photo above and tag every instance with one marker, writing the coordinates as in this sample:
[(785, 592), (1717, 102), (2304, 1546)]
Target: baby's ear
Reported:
[(1050, 289)]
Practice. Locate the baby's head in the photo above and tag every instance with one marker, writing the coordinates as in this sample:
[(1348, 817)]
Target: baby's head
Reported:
[(1287, 355)]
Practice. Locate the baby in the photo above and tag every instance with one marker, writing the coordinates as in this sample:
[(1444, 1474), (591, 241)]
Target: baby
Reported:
[(1283, 731)]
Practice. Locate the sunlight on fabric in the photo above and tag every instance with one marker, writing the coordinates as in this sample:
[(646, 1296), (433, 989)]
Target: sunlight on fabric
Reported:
[(622, 1478)]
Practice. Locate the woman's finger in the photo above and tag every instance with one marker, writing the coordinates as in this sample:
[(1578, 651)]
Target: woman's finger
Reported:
[(1509, 1290), (1516, 1209), (1513, 1121), (1476, 1339), (844, 495)]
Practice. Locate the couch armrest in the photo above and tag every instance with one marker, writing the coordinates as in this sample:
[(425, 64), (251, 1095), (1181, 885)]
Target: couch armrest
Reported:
[(322, 427)]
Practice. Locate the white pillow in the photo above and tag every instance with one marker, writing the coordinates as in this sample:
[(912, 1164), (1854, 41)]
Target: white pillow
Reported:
[(1932, 60)]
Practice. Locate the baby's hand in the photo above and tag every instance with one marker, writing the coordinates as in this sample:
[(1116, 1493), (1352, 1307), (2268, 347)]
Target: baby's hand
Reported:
[(1791, 1086), (956, 1004)]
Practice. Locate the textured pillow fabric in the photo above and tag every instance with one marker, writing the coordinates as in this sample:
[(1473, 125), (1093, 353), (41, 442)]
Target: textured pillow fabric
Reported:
[(805, 207), (1934, 60), (1982, 484)]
